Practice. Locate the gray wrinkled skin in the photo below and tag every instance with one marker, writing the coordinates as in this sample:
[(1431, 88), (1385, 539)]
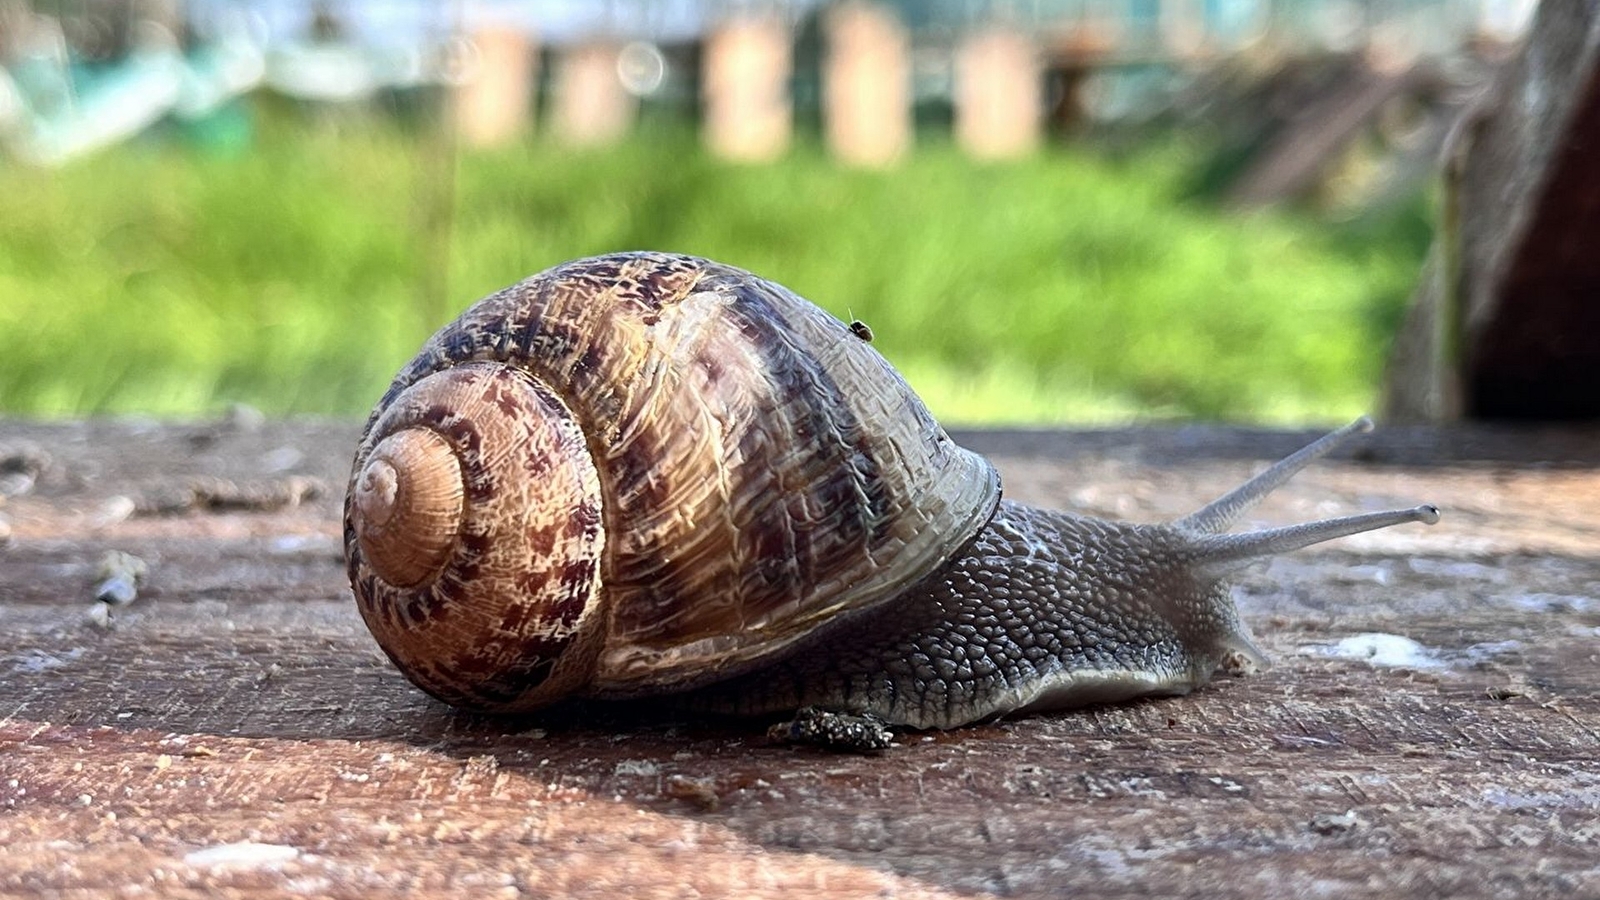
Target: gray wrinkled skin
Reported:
[(1016, 623)]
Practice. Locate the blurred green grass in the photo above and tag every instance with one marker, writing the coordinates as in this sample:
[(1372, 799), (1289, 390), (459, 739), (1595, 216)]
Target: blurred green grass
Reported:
[(1072, 287)]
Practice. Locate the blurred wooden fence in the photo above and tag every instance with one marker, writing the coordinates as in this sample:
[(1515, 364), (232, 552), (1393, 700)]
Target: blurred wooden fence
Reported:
[(868, 69), (993, 71)]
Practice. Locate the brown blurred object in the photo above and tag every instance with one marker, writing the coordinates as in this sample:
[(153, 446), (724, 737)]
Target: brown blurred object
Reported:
[(591, 105), (1354, 134), (494, 105), (748, 112), (998, 94), (1505, 323), (867, 85)]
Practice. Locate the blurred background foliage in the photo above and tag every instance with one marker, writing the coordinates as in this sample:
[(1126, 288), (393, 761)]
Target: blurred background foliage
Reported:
[(1076, 286), (293, 260)]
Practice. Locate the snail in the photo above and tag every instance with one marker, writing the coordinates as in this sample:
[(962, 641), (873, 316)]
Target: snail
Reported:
[(646, 474)]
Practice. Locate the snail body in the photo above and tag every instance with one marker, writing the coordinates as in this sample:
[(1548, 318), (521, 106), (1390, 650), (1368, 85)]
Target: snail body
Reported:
[(647, 474)]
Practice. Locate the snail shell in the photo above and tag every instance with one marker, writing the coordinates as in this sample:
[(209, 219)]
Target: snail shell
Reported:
[(639, 473)]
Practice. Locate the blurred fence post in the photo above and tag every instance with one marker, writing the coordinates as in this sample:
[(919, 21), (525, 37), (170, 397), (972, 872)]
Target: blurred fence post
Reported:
[(591, 104), (998, 95), (748, 113), (495, 104), (1183, 27), (867, 85)]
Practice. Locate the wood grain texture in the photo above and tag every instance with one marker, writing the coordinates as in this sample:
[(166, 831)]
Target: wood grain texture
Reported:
[(239, 699)]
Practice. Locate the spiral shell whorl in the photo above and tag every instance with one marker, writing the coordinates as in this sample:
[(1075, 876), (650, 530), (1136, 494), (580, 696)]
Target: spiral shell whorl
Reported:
[(474, 536), (408, 500)]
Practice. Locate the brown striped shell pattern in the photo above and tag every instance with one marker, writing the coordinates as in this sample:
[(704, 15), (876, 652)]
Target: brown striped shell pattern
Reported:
[(641, 472)]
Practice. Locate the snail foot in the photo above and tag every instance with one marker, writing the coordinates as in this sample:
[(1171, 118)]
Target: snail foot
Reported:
[(839, 731)]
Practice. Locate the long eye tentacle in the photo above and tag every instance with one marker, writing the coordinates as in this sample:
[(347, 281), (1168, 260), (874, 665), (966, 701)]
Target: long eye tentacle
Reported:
[(1218, 515), (1227, 550)]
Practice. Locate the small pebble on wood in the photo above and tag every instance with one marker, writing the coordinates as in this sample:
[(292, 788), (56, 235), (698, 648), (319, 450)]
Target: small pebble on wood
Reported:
[(119, 575)]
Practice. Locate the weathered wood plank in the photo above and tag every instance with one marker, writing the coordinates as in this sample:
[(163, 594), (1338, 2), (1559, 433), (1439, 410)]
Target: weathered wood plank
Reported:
[(1306, 145), (240, 699)]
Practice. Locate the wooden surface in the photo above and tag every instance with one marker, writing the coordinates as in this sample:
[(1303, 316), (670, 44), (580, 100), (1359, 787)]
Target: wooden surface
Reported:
[(239, 701)]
